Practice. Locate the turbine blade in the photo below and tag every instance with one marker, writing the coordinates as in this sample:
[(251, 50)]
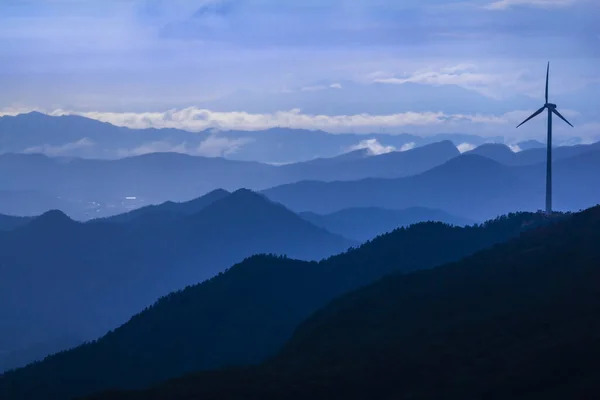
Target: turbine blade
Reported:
[(547, 79), (535, 114), (555, 111)]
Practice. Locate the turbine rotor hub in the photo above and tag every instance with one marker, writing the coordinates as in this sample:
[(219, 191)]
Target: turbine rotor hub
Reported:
[(550, 105)]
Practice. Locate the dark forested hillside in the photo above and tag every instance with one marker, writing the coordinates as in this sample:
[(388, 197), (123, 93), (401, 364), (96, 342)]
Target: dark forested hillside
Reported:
[(246, 313), (366, 223), (520, 320)]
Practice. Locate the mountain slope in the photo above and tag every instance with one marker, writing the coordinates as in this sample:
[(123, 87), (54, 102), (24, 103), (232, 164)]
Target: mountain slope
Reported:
[(62, 278), (171, 208), (244, 314), (75, 136), (519, 320), (9, 222), (470, 185), (362, 224), (99, 188), (389, 165), (533, 155)]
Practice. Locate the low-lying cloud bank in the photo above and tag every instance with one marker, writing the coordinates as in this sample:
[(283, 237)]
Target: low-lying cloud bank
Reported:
[(195, 119)]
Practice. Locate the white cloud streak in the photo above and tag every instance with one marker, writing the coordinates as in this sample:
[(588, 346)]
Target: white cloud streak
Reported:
[(195, 119), (408, 146), (374, 147), (61, 150), (464, 147), (213, 146), (506, 4)]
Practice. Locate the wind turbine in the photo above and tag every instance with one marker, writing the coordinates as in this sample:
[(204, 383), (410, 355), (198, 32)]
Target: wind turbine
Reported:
[(551, 109)]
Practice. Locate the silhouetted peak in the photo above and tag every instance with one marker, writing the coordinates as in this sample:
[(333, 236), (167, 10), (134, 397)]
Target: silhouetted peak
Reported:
[(498, 146), (52, 219), (34, 115), (355, 154), (530, 144), (208, 198), (217, 193), (246, 195), (472, 160), (241, 203), (467, 165), (491, 148), (443, 145), (163, 156)]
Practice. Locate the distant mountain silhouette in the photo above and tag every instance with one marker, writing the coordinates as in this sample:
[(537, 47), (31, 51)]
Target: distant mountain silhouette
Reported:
[(63, 278), (530, 144), (576, 183), (9, 222), (497, 152), (503, 154), (171, 208), (99, 188), (389, 165), (519, 320), (344, 157), (374, 98), (75, 136), (362, 224), (246, 313), (471, 186)]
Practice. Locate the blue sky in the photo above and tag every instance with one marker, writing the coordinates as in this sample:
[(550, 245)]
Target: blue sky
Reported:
[(218, 62)]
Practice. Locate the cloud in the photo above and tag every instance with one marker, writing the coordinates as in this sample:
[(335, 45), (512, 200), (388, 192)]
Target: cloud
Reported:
[(466, 75), (515, 148), (373, 147), (61, 150), (464, 147), (506, 4), (216, 146), (420, 123), (116, 53), (408, 146), (318, 88), (14, 111), (197, 119), (461, 75), (213, 146)]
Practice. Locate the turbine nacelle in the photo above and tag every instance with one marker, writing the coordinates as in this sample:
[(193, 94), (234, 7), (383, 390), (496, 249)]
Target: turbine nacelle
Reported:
[(551, 107)]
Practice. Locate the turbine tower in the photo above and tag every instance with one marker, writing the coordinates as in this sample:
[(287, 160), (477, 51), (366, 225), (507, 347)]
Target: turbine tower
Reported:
[(551, 109)]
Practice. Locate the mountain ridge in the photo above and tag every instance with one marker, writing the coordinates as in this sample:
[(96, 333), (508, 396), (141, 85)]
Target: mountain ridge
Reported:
[(515, 320), (247, 324), (104, 272)]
